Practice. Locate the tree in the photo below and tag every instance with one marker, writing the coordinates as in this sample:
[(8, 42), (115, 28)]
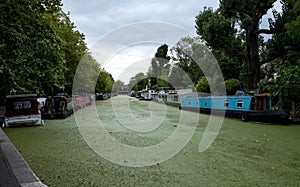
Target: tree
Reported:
[(161, 59), (218, 29), (105, 82), (118, 86), (40, 48), (197, 61), (138, 82), (179, 78), (184, 55), (160, 67), (86, 75), (284, 47), (74, 47), (232, 85), (32, 57), (230, 65), (202, 85)]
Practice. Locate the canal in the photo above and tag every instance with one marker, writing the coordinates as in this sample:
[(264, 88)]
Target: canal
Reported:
[(127, 142)]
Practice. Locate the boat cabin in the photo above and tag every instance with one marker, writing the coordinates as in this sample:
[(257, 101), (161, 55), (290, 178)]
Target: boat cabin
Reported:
[(236, 103), (57, 107), (246, 107), (22, 110)]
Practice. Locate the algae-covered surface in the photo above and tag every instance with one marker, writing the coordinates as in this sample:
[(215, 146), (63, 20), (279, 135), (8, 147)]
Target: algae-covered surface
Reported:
[(243, 154)]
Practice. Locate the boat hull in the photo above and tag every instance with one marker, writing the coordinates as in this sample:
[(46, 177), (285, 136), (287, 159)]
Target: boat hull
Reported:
[(272, 116)]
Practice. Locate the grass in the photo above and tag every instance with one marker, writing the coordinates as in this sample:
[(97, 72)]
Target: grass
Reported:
[(244, 154)]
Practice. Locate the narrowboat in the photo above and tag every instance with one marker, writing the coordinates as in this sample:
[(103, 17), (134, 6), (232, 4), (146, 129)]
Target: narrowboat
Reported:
[(57, 107), (245, 107), (22, 110), (169, 98), (147, 95), (132, 93), (173, 97), (102, 96), (81, 101)]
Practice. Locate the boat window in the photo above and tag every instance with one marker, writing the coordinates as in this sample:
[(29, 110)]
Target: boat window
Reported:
[(212, 103), (240, 103), (205, 103), (226, 103), (175, 98), (22, 105)]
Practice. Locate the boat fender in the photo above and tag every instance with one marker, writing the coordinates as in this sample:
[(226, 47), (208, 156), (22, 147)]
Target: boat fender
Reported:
[(244, 116)]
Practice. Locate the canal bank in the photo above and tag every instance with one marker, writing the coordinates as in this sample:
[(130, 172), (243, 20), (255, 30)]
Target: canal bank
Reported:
[(14, 169)]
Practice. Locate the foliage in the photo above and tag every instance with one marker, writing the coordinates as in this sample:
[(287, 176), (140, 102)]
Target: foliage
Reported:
[(88, 73), (285, 87), (138, 82), (232, 85), (105, 82), (217, 31), (40, 48), (31, 56), (160, 67), (202, 85), (178, 78), (220, 31), (284, 47), (74, 47), (230, 65), (118, 86), (184, 54), (192, 60)]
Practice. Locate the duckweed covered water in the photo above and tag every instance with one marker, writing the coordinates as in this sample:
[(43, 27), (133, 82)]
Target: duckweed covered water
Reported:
[(244, 154)]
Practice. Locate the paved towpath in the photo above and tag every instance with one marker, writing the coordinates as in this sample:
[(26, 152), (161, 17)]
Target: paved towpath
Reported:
[(7, 177), (14, 171)]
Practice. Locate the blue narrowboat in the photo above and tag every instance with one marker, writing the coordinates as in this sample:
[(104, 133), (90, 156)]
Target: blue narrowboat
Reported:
[(246, 107)]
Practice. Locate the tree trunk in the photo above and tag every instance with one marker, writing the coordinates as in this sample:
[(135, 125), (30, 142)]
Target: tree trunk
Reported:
[(253, 63)]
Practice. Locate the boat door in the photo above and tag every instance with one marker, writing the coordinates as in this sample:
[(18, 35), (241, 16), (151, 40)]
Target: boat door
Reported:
[(261, 103)]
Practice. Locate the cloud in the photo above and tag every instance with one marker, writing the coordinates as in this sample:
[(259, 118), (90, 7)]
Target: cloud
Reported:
[(130, 61), (134, 43), (98, 18)]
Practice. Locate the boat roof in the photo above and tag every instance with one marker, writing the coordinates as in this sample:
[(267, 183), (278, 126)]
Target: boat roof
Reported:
[(232, 96), (229, 96), (21, 96)]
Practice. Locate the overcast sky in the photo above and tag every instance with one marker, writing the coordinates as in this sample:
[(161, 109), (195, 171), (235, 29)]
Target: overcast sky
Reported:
[(98, 18)]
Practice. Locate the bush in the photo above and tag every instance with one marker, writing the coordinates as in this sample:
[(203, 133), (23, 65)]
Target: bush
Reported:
[(202, 85), (232, 85)]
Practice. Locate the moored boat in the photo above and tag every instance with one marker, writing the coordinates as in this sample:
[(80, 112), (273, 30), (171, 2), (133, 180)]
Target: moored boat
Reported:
[(22, 110), (57, 107), (245, 107)]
